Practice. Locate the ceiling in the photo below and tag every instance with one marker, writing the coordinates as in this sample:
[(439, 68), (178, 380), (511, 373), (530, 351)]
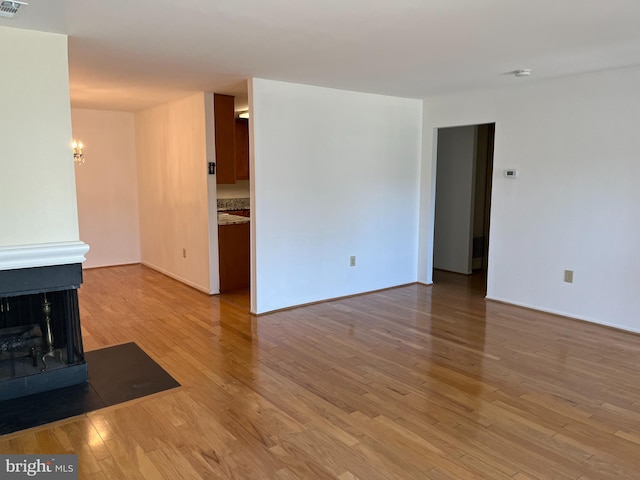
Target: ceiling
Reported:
[(135, 54)]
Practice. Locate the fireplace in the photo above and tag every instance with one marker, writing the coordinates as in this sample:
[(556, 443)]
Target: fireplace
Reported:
[(40, 333)]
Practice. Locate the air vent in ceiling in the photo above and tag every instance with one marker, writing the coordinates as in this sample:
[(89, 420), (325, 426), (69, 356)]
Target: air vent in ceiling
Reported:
[(9, 8)]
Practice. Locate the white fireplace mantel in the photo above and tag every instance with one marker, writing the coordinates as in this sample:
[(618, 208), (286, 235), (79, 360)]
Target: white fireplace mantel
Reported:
[(42, 255)]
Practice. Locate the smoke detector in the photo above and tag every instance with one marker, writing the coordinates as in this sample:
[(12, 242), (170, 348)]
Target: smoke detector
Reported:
[(8, 8), (524, 72)]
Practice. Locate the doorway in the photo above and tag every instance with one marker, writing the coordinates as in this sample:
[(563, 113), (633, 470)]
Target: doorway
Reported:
[(464, 167), (232, 198)]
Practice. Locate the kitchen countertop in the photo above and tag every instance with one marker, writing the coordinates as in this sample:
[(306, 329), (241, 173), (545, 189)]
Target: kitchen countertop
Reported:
[(228, 219), (233, 204)]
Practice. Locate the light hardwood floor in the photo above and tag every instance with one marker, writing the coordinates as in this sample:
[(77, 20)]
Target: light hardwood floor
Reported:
[(415, 382)]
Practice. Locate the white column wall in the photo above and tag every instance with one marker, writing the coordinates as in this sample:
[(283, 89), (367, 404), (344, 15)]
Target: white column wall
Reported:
[(334, 174), (37, 195)]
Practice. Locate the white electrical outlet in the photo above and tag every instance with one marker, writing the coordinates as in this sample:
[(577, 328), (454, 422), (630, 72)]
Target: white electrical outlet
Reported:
[(568, 276), (352, 261)]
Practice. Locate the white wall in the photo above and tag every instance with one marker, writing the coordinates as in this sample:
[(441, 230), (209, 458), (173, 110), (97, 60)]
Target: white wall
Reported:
[(38, 195), (171, 149), (455, 193), (107, 187), (575, 203), (334, 174)]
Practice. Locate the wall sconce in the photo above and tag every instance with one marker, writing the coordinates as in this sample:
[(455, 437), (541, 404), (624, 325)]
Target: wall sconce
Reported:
[(78, 155)]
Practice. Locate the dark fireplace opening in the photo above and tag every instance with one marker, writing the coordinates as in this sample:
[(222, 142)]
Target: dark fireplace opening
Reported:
[(40, 335), (27, 348)]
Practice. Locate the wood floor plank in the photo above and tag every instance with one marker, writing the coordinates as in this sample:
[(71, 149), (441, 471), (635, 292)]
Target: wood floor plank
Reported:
[(415, 382)]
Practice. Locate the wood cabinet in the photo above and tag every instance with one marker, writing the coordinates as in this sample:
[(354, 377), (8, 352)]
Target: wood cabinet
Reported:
[(234, 254), (242, 149), (224, 134), (232, 141)]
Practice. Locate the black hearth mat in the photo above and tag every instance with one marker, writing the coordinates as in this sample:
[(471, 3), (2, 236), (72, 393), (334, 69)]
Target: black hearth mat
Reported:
[(116, 374)]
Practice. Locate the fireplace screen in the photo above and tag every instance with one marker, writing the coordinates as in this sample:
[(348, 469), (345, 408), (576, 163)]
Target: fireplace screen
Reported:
[(40, 336), (39, 332)]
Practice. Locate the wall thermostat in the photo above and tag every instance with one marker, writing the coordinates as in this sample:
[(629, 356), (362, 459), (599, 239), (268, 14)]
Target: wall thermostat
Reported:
[(511, 173)]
